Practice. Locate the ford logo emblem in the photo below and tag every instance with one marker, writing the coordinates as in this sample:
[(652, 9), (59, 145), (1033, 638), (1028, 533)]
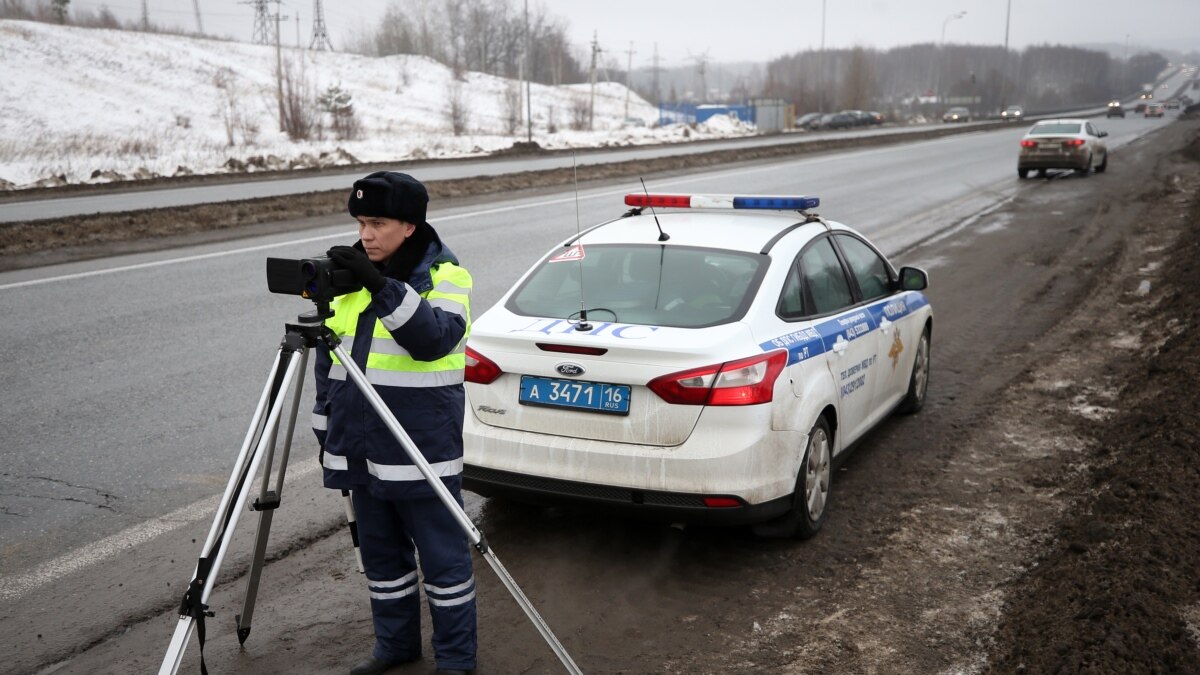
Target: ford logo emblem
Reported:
[(569, 369)]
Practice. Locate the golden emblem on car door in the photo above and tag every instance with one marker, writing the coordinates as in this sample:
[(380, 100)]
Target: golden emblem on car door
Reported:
[(897, 347)]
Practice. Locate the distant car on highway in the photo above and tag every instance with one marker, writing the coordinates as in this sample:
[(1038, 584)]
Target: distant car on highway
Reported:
[(1013, 113), (957, 114), (1155, 110), (732, 349), (1172, 104), (1115, 109), (1063, 144)]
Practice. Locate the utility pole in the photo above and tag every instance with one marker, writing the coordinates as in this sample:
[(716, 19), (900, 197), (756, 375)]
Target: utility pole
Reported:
[(592, 105), (701, 66), (628, 78), (277, 17), (199, 23), (320, 37), (145, 15), (528, 78), (657, 94)]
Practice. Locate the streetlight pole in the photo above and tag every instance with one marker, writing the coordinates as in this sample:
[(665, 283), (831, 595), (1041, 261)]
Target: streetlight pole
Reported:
[(1004, 63), (821, 64), (942, 46)]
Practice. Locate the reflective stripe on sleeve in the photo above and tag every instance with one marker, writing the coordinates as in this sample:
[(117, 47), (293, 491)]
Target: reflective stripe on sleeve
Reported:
[(408, 307), (448, 305), (447, 286), (387, 346), (320, 422), (334, 462), (410, 473)]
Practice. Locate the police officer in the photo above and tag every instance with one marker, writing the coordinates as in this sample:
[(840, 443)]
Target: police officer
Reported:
[(406, 329)]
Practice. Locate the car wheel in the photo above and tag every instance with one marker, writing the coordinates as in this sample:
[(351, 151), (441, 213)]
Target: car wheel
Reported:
[(811, 496), (1103, 165), (1087, 168), (1022, 173), (918, 381), (1041, 173)]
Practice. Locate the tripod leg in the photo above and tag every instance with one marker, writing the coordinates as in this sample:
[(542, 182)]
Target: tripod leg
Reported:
[(352, 523), (460, 516), (269, 500), (194, 607)]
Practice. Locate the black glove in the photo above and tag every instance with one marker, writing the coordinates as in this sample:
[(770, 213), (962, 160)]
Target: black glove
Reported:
[(357, 262)]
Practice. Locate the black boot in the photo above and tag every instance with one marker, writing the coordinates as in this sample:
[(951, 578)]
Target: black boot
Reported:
[(374, 666)]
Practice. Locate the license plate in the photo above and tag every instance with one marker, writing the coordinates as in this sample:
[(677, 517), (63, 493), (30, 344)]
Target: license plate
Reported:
[(588, 396)]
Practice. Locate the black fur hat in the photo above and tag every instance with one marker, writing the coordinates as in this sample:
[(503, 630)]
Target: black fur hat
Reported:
[(388, 194)]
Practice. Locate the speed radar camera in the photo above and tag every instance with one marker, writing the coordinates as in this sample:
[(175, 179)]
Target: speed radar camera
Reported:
[(319, 279)]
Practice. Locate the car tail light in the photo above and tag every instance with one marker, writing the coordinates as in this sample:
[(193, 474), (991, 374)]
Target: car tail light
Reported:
[(1028, 144), (1073, 143), (480, 369), (742, 382)]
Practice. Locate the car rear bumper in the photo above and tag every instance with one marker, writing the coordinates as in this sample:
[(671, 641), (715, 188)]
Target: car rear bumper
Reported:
[(732, 452), (649, 504), (1053, 162)]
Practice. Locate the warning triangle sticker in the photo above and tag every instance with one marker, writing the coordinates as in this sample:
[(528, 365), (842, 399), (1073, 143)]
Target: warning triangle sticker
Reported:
[(571, 254)]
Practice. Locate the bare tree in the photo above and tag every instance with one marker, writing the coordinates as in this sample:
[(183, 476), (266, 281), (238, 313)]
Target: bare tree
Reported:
[(513, 113), (456, 108), (299, 104)]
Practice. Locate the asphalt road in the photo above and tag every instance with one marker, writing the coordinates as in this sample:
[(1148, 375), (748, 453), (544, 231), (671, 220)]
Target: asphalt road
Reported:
[(130, 381)]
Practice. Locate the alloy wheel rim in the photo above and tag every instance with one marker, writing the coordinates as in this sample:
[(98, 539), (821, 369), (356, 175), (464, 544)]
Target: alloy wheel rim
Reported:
[(816, 474)]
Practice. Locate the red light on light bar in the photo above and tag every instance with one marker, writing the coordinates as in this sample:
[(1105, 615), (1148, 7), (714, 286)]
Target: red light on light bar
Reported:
[(660, 201), (571, 349)]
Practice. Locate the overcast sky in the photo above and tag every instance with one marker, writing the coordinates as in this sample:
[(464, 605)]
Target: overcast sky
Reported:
[(750, 30)]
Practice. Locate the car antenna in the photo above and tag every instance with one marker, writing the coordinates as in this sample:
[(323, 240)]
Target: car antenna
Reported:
[(662, 236), (583, 324)]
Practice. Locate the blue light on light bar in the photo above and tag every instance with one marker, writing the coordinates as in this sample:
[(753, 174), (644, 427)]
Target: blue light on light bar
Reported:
[(776, 203)]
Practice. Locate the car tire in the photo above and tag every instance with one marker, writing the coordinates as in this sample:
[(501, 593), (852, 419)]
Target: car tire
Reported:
[(1041, 173), (1087, 168), (1022, 173), (1103, 165), (810, 499), (918, 381)]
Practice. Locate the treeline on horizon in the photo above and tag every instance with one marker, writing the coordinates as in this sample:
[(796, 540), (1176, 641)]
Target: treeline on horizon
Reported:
[(488, 36)]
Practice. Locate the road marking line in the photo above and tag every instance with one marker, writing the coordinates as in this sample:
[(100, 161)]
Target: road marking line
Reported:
[(484, 212), (16, 586)]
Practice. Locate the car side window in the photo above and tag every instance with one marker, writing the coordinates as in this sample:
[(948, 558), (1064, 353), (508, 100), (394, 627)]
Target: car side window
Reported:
[(869, 270), (825, 279)]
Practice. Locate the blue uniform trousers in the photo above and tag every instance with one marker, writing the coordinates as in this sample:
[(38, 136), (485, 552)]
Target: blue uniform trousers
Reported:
[(389, 532)]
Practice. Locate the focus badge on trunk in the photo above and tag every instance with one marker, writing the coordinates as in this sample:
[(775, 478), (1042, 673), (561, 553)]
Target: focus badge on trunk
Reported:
[(569, 369)]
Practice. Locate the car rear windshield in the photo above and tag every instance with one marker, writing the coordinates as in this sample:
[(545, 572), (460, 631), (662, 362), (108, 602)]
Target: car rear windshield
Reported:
[(1056, 129), (655, 285)]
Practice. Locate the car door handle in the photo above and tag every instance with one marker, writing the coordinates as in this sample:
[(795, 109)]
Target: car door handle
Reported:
[(840, 345)]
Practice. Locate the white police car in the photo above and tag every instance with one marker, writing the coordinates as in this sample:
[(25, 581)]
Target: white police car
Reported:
[(711, 373)]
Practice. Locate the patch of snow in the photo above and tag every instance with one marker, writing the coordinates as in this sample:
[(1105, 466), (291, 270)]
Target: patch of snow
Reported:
[(84, 105)]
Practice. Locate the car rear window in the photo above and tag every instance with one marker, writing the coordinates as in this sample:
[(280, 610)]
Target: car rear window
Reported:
[(1055, 129), (684, 287)]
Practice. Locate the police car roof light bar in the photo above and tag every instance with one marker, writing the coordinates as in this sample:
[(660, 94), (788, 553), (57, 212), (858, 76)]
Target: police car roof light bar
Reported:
[(740, 202)]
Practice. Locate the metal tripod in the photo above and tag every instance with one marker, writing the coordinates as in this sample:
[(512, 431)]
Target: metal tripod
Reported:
[(257, 452)]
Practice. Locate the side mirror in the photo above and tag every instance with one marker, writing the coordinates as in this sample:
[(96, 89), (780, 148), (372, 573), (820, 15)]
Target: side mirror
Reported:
[(913, 279), (1102, 134)]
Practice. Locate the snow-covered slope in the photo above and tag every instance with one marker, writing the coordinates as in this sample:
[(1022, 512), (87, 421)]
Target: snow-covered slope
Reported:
[(91, 105)]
